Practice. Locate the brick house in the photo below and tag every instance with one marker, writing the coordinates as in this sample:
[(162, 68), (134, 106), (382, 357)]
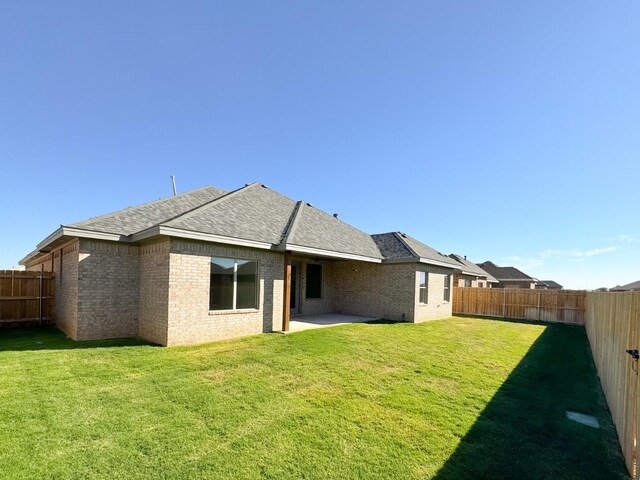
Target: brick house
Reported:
[(552, 285), (471, 275), (510, 277), (209, 265)]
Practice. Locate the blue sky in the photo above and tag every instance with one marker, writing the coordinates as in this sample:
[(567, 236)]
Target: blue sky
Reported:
[(504, 131)]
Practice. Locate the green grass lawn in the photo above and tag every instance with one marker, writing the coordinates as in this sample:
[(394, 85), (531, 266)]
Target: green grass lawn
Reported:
[(460, 398)]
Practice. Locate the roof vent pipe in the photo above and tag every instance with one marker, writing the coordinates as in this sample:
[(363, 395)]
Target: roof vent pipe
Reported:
[(335, 215), (173, 182)]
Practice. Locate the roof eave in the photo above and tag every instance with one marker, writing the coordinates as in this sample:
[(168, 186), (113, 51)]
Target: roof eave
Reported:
[(30, 256), (439, 264), (205, 237), (402, 260), (58, 233), (472, 274), (65, 231), (427, 261), (327, 253)]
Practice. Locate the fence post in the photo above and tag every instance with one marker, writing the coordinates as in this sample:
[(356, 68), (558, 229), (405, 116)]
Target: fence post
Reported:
[(538, 315), (40, 293), (504, 303)]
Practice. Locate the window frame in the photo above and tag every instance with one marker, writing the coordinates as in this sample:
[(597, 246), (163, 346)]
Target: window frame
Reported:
[(446, 297), (306, 281), (234, 301), (425, 288)]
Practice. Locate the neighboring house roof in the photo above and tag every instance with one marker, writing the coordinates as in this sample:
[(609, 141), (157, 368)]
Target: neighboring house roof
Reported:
[(552, 285), (400, 247), (470, 268), (505, 274), (254, 216), (629, 287)]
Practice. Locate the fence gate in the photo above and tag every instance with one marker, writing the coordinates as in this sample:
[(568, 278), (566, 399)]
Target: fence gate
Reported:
[(613, 327), (26, 297)]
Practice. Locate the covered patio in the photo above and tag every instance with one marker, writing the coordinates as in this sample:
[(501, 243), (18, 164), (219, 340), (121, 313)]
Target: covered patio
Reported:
[(307, 322)]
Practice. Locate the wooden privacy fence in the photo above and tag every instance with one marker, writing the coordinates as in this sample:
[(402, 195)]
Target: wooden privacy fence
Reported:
[(26, 296), (565, 306), (613, 326)]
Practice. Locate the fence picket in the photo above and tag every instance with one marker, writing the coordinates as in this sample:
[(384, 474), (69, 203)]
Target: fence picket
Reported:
[(566, 306), (26, 296), (612, 322)]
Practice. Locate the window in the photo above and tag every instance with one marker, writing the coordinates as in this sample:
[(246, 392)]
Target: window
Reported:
[(314, 281), (247, 284), (480, 285), (422, 277), (447, 288), (467, 282), (234, 284)]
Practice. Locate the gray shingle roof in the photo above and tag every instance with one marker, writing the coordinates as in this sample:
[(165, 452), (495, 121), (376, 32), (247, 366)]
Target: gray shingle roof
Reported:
[(391, 247), (633, 286), (259, 214), (552, 284), (317, 229), (399, 246), (471, 267), (425, 251), (504, 273), (254, 212), (135, 219)]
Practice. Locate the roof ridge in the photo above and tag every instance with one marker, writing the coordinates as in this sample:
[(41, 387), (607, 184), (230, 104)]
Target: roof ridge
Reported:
[(406, 245), (221, 198), (385, 234), (525, 274), (471, 267), (293, 223)]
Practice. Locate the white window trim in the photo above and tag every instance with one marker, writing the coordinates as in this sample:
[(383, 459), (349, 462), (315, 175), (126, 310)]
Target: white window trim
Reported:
[(426, 287), (235, 284), (447, 288)]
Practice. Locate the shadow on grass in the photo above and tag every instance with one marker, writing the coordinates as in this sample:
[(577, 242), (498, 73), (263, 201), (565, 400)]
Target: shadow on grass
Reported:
[(383, 321), (512, 320), (18, 339), (523, 432)]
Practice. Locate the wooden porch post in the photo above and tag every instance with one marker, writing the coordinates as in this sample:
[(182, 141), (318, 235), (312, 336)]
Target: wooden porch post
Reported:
[(286, 307)]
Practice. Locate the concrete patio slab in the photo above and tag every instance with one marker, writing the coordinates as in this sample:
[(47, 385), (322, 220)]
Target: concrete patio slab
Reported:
[(306, 322)]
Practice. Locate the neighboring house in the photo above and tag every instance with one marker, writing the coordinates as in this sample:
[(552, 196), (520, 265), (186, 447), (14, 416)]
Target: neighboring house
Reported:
[(209, 265), (551, 285), (508, 277), (629, 287), (471, 275)]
